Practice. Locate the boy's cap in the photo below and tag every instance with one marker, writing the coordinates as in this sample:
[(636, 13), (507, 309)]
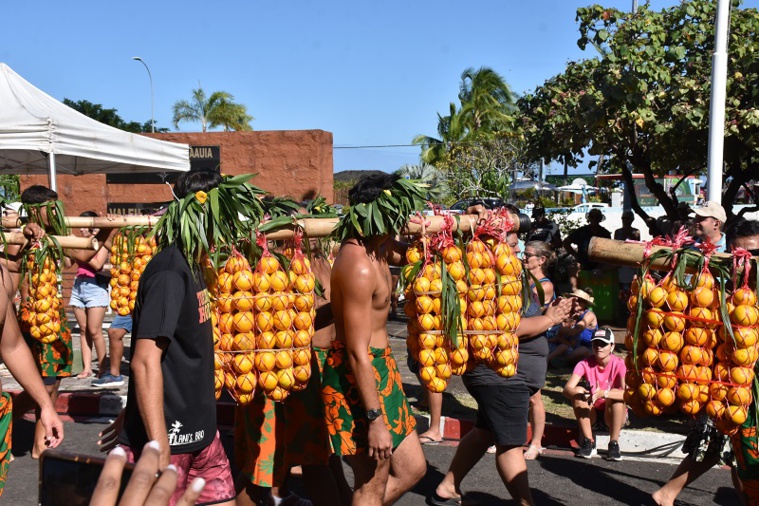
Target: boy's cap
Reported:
[(604, 334)]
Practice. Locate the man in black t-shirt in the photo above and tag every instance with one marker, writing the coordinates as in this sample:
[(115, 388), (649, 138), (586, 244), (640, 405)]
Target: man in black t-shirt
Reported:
[(171, 402), (543, 229), (578, 242)]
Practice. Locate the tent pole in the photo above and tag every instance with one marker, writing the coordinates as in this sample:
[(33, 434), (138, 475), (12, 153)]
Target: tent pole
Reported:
[(717, 113), (51, 165)]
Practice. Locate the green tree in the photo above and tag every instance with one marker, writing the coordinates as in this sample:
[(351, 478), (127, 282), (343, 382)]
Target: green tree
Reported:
[(477, 145), (643, 104), (437, 189), (216, 110), (109, 116)]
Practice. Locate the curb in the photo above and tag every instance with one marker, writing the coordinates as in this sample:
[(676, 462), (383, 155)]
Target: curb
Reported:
[(635, 444)]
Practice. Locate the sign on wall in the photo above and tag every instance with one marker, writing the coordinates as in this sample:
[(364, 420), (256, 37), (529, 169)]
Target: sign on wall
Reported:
[(201, 157)]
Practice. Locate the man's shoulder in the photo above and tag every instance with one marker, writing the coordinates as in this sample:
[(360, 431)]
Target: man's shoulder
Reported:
[(351, 261)]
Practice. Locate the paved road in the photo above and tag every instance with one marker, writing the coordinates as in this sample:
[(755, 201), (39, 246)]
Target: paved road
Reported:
[(556, 479)]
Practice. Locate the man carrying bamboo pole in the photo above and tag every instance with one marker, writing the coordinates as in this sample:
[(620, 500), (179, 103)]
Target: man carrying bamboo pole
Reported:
[(368, 416)]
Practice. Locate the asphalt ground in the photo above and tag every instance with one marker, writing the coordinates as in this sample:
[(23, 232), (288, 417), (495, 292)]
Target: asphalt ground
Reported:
[(556, 478)]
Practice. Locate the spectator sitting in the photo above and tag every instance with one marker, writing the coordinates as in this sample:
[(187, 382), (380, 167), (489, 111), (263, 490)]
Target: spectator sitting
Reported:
[(578, 242), (543, 229), (572, 339), (604, 374)]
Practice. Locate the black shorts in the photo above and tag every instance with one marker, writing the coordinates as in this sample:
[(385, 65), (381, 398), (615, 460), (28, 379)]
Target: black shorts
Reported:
[(502, 410), (49, 380)]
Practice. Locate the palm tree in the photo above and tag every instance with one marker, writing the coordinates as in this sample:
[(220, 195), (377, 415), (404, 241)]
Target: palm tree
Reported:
[(487, 107), (437, 189), (217, 110)]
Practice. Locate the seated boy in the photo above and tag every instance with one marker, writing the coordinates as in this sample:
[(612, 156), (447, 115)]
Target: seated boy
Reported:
[(604, 374)]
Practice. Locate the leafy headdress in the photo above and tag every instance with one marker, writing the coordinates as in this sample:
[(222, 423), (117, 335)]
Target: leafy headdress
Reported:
[(384, 214), (201, 223)]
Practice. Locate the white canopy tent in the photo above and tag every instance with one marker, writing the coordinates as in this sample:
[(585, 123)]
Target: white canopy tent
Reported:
[(40, 135)]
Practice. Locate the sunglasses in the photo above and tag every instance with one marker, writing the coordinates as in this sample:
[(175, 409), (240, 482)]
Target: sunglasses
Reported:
[(599, 344), (528, 255)]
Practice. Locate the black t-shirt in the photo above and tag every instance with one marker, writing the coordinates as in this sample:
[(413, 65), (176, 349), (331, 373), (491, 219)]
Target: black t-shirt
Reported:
[(545, 232), (171, 303), (581, 238)]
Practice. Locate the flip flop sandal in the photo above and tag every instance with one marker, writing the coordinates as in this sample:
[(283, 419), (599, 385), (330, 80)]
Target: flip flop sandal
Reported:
[(84, 375), (426, 440), (533, 452), (436, 500)]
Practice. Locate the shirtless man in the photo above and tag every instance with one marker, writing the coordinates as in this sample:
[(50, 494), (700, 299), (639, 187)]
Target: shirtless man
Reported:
[(368, 416)]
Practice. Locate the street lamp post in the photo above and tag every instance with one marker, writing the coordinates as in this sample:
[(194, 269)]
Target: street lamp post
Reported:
[(152, 101)]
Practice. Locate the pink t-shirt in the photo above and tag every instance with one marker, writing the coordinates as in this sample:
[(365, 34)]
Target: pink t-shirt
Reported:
[(84, 270), (611, 376)]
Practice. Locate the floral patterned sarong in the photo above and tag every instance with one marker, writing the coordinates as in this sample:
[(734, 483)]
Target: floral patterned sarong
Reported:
[(346, 417), (6, 428), (271, 437)]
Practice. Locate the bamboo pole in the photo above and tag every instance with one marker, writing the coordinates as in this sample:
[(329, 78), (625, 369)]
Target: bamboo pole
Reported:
[(314, 227), (66, 241), (630, 254), (95, 221)]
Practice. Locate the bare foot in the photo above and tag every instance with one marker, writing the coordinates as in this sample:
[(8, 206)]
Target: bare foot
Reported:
[(660, 499)]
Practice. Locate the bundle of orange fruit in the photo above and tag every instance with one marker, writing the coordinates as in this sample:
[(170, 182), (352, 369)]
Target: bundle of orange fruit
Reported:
[(480, 289), (680, 332), (264, 325), (41, 313), (673, 355), (130, 253)]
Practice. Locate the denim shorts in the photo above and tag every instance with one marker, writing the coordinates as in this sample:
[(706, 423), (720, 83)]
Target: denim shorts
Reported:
[(88, 294), (122, 322)]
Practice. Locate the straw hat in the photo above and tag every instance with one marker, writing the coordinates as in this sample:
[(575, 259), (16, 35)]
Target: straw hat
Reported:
[(579, 294)]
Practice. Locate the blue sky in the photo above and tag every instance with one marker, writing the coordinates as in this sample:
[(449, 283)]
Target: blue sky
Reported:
[(372, 73)]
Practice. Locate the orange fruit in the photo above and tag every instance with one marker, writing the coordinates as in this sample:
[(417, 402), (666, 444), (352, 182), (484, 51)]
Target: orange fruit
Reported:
[(268, 264), (715, 409), (244, 341), (427, 374), (265, 361), (300, 265), (423, 304), (246, 382), (456, 270), (697, 336), (740, 396), (718, 391), (674, 322), (443, 371), (451, 254), (702, 297), (700, 313), (243, 362), (746, 337), (260, 282), (283, 359), (736, 414), (284, 339), (651, 407), (285, 378), (744, 356), (665, 397), (745, 315), (264, 321), (651, 337), (243, 280), (267, 380), (705, 279), (243, 321), (302, 357), (691, 355), (650, 356), (305, 283), (437, 385), (646, 391), (744, 296), (691, 407), (413, 254), (668, 360), (421, 286), (266, 340), (677, 300), (279, 281), (242, 300), (742, 376), (302, 338), (653, 318), (302, 373), (672, 341)]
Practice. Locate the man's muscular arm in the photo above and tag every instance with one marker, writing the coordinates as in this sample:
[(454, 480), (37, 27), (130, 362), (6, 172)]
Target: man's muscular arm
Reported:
[(17, 356), (357, 285), (148, 380)]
